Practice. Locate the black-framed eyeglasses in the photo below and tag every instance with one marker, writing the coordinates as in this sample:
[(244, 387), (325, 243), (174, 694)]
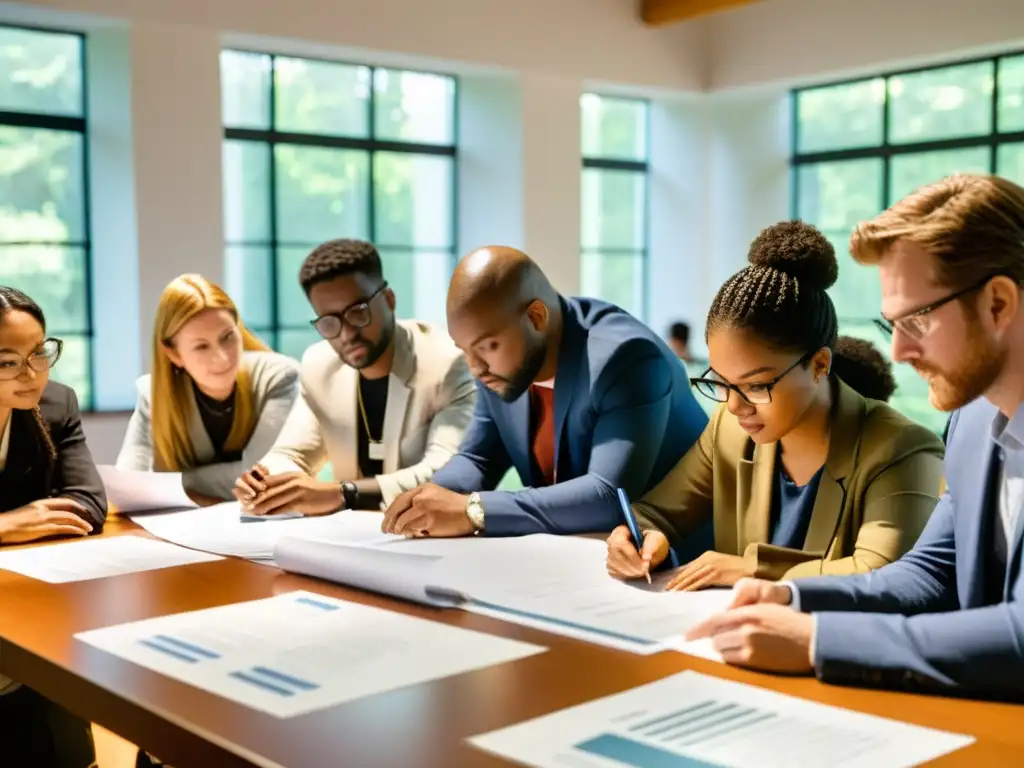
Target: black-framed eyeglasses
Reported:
[(756, 394), (358, 315), (43, 359), (916, 323)]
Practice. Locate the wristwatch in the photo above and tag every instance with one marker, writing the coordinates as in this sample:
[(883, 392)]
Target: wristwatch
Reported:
[(475, 512), (350, 494)]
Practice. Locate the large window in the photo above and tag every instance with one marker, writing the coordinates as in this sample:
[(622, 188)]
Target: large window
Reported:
[(44, 222), (614, 200), (316, 150), (860, 146)]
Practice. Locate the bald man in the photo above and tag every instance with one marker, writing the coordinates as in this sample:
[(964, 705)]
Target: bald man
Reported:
[(576, 394)]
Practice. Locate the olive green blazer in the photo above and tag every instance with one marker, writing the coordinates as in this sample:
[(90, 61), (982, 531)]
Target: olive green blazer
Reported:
[(878, 488)]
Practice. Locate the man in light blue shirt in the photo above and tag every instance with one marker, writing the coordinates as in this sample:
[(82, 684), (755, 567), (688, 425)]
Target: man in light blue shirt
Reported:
[(949, 615)]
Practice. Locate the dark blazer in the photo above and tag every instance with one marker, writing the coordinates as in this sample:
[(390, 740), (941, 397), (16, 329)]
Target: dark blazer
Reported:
[(924, 622), (624, 415), (74, 474)]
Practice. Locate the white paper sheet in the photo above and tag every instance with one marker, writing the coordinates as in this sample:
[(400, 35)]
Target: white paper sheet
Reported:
[(691, 720), (554, 583), (385, 570), (300, 652), (97, 558), (132, 491), (220, 529), (561, 584)]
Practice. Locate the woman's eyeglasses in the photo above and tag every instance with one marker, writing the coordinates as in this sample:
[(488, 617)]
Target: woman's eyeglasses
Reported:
[(43, 359), (717, 389)]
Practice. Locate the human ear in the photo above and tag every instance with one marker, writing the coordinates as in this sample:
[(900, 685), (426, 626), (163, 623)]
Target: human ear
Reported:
[(538, 315), (1000, 302), (171, 354), (821, 363)]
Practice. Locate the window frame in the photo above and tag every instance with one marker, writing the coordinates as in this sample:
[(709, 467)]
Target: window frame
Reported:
[(886, 151), (271, 137), (79, 125), (629, 165)]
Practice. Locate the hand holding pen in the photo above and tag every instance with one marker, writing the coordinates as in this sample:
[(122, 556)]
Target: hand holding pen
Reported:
[(625, 561)]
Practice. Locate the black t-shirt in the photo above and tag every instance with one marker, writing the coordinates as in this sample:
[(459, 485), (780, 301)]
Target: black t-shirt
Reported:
[(374, 393), (218, 417)]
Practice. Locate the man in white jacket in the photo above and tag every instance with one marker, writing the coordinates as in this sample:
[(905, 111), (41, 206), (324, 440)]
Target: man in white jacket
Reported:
[(385, 402)]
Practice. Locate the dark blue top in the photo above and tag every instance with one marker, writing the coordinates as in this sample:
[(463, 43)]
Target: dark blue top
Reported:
[(624, 416), (792, 506)]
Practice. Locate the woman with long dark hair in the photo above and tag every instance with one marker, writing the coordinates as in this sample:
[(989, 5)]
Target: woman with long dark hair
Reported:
[(49, 487)]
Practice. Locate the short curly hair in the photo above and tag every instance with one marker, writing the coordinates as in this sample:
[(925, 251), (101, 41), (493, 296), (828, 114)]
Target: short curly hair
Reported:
[(859, 363), (337, 258)]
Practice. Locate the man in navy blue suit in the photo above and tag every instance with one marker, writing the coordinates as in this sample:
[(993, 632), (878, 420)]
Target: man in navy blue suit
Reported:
[(949, 615), (576, 394)]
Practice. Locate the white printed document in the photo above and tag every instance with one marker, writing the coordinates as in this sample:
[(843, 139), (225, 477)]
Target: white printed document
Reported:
[(133, 491), (300, 652), (97, 558), (691, 720), (223, 530), (555, 583)]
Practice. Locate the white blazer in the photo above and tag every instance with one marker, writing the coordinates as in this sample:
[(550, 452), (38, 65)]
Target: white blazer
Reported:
[(431, 396), (274, 380)]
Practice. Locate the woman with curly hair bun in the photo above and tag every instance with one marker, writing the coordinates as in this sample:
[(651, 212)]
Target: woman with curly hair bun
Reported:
[(803, 470)]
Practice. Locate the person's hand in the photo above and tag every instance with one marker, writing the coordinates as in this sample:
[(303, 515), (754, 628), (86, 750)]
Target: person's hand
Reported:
[(625, 562), (42, 519), (428, 510), (712, 569), (774, 638), (296, 492), (754, 591), (251, 484)]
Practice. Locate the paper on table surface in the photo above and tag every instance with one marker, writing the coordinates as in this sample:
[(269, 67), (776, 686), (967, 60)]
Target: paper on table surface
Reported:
[(561, 584), (300, 652), (133, 491), (695, 720), (96, 558), (384, 570), (554, 583), (220, 529)]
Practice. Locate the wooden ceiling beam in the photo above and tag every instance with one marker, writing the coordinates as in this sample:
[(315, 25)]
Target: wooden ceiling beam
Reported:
[(656, 13)]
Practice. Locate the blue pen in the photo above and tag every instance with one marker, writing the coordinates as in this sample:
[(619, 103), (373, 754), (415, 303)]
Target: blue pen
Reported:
[(634, 528)]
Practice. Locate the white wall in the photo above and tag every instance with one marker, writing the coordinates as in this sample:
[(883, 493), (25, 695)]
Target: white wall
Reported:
[(798, 41), (601, 40)]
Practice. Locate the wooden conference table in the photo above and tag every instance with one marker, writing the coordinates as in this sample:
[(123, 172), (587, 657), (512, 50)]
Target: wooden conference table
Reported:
[(424, 725)]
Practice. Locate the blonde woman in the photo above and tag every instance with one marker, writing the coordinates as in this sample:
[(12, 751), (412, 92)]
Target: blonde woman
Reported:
[(216, 398)]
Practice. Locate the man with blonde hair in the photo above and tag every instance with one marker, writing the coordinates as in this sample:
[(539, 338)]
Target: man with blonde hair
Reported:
[(949, 615)]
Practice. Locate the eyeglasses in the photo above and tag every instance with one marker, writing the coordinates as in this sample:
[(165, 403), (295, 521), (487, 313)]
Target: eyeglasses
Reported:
[(43, 359), (917, 322), (358, 315), (718, 389)]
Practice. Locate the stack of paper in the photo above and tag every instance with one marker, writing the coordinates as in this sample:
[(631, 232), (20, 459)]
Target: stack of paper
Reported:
[(299, 652), (221, 529), (555, 583), (690, 719), (97, 558)]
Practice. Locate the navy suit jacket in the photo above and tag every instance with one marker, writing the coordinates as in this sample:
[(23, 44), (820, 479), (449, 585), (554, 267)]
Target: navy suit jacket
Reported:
[(923, 622), (624, 415)]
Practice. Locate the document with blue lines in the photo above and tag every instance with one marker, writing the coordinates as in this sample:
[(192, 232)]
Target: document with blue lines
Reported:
[(691, 720), (300, 652)]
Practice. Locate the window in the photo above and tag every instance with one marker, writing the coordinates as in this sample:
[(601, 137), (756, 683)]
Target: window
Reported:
[(316, 150), (860, 146), (614, 201), (44, 216)]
